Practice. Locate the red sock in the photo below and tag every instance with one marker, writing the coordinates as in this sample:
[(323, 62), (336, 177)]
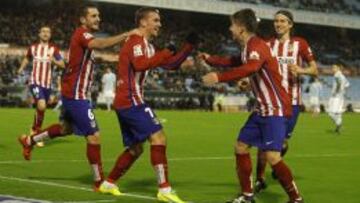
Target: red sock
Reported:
[(286, 180), (243, 169), (52, 131), (123, 163), (260, 165), (38, 120), (159, 162), (94, 158)]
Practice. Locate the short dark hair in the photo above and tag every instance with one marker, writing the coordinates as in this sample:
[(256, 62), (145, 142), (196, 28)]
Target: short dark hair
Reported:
[(142, 12), (85, 9), (247, 18), (286, 13), (43, 26)]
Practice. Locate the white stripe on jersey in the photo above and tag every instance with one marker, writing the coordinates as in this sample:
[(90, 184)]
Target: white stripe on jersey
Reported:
[(296, 89), (38, 65), (265, 91), (44, 66), (275, 93), (86, 79), (284, 67), (256, 92), (137, 86)]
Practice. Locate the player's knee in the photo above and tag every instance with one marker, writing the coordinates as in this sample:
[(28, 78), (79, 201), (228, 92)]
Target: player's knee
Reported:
[(41, 105), (136, 150), (273, 157), (285, 144), (241, 148), (158, 138), (94, 138)]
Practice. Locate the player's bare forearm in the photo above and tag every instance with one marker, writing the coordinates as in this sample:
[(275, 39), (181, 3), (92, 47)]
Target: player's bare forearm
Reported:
[(24, 63), (223, 62), (59, 63), (102, 43), (143, 63), (311, 70)]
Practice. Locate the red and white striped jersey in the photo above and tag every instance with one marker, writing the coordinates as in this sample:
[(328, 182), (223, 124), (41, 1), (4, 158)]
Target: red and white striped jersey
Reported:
[(41, 56), (292, 51), (78, 74), (136, 58), (263, 72)]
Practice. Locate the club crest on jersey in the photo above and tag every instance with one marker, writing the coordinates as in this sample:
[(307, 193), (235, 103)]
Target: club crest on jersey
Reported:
[(254, 55), (137, 50), (87, 35)]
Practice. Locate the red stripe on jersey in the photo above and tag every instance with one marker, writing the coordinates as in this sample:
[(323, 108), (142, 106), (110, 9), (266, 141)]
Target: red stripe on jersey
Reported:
[(41, 73), (255, 81), (288, 52)]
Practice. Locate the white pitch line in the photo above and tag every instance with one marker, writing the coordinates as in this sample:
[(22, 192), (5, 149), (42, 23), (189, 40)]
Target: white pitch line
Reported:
[(180, 159), (70, 187)]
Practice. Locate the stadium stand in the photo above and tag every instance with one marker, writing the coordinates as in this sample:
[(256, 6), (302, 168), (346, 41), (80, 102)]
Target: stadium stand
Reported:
[(328, 6), (19, 29)]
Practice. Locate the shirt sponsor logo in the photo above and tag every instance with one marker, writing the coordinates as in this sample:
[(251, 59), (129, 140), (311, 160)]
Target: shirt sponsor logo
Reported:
[(286, 60)]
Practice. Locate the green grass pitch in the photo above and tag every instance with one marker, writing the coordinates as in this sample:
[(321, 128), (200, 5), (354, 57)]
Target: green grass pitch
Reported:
[(201, 162)]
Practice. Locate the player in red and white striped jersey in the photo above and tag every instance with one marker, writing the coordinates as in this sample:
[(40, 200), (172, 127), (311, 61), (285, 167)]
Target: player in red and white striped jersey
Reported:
[(266, 126), (43, 55), (295, 58), (77, 116), (137, 121)]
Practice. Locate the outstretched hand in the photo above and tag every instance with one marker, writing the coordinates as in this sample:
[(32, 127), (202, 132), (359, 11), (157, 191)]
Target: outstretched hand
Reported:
[(202, 56), (210, 79), (171, 47)]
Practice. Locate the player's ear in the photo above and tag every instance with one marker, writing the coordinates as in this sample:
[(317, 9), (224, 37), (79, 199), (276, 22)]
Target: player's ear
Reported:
[(82, 20)]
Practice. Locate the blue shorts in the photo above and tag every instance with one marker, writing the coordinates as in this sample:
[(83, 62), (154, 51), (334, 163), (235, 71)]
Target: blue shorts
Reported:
[(79, 114), (39, 92), (292, 120), (137, 124), (266, 133)]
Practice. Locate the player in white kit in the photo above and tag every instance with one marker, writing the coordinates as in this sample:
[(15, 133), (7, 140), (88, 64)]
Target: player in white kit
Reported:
[(108, 86), (336, 101), (314, 91)]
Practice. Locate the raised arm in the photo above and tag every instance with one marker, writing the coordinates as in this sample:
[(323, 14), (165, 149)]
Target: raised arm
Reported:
[(219, 61), (58, 59), (175, 61), (102, 43), (307, 55), (24, 63)]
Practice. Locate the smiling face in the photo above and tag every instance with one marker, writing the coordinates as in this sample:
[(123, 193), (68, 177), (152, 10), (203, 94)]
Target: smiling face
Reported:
[(282, 24), (92, 19), (151, 23), (45, 34)]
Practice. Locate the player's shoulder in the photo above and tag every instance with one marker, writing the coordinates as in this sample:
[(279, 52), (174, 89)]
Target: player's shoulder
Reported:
[(83, 32), (257, 43), (135, 39), (270, 40), (51, 44), (34, 44), (299, 39)]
